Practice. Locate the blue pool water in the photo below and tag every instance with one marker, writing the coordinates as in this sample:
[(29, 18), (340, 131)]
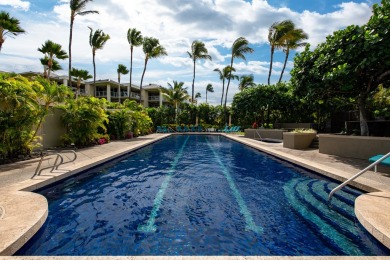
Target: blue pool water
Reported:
[(199, 195)]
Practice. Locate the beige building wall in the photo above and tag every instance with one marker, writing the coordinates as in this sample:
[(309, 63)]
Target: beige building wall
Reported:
[(52, 129)]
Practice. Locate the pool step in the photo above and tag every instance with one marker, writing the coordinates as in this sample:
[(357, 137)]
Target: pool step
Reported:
[(315, 143), (335, 224)]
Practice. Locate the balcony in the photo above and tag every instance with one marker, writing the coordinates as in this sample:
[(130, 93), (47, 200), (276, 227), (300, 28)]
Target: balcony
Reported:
[(154, 98), (101, 93)]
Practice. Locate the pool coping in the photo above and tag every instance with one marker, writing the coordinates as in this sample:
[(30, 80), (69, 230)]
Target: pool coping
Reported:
[(18, 200)]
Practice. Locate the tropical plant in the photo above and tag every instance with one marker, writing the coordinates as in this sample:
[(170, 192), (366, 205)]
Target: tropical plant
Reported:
[(176, 94), (351, 64), (52, 50), (77, 7), (45, 61), (197, 95), (85, 119), (97, 40), (198, 51), (121, 70), (209, 88), (80, 75), (292, 40), (134, 37), (239, 49), (230, 77), (223, 75), (8, 26), (245, 82), (276, 36), (152, 49)]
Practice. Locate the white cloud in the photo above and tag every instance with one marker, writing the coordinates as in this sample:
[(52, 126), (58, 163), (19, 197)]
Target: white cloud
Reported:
[(24, 5)]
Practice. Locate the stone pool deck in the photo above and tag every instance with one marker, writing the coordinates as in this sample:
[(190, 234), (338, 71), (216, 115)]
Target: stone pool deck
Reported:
[(22, 212)]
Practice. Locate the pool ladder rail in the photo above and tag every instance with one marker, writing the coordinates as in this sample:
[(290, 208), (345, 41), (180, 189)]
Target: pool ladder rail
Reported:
[(57, 163), (374, 164)]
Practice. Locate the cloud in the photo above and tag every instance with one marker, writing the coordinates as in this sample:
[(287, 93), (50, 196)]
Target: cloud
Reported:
[(24, 5)]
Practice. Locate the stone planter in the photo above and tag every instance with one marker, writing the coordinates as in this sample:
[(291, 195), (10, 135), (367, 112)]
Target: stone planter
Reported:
[(299, 141)]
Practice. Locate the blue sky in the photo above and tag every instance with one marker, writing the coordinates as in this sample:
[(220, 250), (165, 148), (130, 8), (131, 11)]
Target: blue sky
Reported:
[(176, 23)]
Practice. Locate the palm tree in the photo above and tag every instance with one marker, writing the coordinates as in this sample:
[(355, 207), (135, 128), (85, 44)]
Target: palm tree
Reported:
[(77, 7), (224, 74), (230, 77), (45, 61), (134, 38), (245, 82), (239, 48), (80, 75), (152, 49), (197, 95), (292, 41), (209, 88), (176, 94), (121, 70), (52, 50), (276, 36), (8, 26), (198, 51), (97, 40)]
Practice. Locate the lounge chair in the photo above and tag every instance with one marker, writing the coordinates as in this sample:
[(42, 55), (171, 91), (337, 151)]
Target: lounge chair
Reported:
[(200, 128), (159, 129), (186, 129), (377, 157), (193, 128), (165, 129), (178, 129), (226, 129)]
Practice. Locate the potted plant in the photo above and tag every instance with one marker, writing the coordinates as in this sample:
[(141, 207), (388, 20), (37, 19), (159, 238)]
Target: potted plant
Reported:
[(299, 138)]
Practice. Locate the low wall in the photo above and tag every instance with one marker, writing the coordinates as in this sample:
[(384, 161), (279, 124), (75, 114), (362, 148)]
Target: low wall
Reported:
[(264, 133), (361, 147), (52, 129)]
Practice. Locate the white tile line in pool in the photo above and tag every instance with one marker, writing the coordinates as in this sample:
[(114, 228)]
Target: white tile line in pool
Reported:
[(150, 224), (250, 223)]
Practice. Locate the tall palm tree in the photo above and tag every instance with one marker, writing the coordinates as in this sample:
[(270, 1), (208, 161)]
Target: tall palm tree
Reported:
[(121, 70), (239, 49), (80, 75), (152, 49), (134, 38), (276, 36), (198, 51), (45, 61), (8, 26), (97, 40), (176, 94), (77, 7), (230, 76), (197, 95), (223, 75), (52, 50), (209, 88), (245, 82), (292, 40)]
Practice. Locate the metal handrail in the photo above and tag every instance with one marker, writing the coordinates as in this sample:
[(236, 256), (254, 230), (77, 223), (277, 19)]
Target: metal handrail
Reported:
[(256, 131), (356, 175), (57, 163)]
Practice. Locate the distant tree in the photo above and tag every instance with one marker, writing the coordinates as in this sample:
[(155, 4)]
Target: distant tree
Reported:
[(77, 7), (230, 77), (276, 37), (8, 26), (176, 94), (97, 40), (134, 38), (245, 82), (198, 51), (121, 70), (209, 88), (239, 49), (52, 50), (223, 75), (197, 95), (292, 40), (152, 49), (45, 61), (80, 75)]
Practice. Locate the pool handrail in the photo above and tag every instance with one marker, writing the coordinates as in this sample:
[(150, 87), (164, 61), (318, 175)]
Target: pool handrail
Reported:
[(356, 175), (56, 164)]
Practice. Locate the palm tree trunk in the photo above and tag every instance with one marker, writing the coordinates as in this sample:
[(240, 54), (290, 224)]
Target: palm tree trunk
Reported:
[(284, 66), (270, 65), (206, 95), (142, 79), (230, 76), (193, 83), (223, 90), (119, 87), (94, 69), (70, 51), (364, 131), (131, 71)]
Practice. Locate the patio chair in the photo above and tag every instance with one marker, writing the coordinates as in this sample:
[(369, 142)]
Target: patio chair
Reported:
[(165, 129), (186, 129), (179, 129), (159, 129), (226, 129), (193, 128), (200, 128)]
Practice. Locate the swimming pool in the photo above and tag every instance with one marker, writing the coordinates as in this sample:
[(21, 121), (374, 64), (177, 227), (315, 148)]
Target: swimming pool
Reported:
[(199, 195)]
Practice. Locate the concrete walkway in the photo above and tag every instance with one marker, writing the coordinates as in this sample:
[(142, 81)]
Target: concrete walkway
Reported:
[(15, 180)]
